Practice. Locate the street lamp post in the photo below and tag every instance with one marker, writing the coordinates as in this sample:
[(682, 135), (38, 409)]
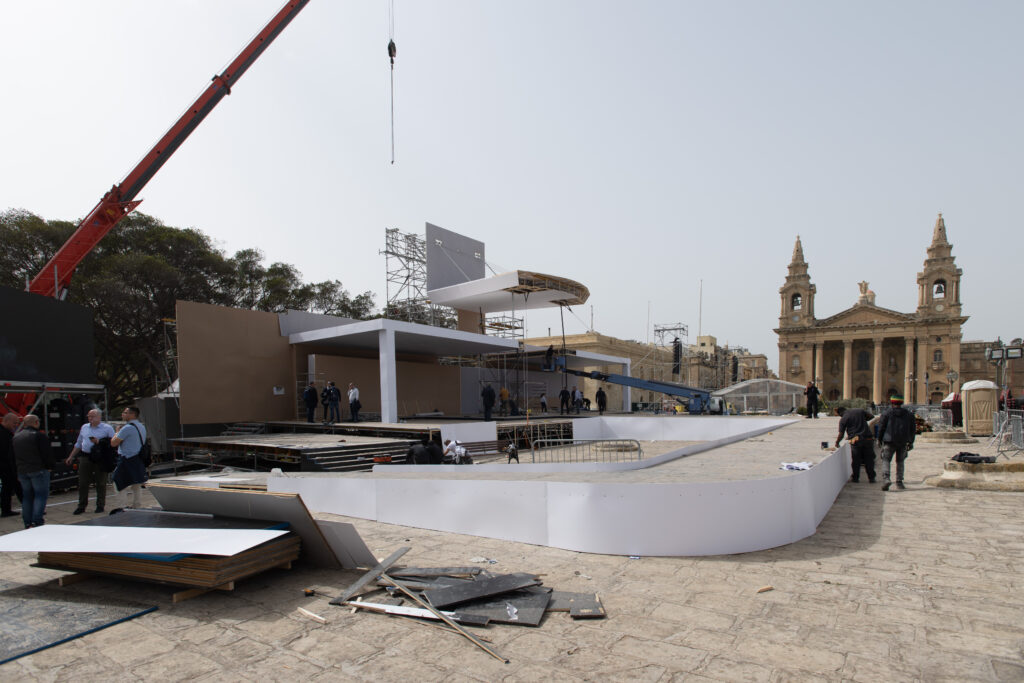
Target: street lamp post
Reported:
[(952, 376)]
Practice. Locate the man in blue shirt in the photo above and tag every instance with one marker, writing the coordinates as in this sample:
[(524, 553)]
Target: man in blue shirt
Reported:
[(91, 468), (130, 473)]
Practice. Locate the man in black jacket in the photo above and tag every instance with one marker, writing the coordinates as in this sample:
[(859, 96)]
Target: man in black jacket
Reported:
[(563, 401), (34, 459), (9, 484), (309, 399), (853, 424), (812, 393), (487, 395), (896, 432)]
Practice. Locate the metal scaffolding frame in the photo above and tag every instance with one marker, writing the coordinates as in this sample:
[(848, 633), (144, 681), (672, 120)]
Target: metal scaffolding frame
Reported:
[(406, 289)]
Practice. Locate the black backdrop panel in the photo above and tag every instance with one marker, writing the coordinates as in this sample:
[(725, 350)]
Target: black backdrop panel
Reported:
[(45, 340)]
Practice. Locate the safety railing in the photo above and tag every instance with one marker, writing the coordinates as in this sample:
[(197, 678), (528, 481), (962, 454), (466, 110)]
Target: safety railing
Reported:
[(1008, 431), (999, 419), (940, 419), (585, 450)]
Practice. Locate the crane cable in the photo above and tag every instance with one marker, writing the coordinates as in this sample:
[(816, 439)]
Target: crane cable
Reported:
[(392, 51)]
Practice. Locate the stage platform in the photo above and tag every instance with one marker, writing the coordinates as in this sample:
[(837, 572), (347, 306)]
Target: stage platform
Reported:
[(343, 446)]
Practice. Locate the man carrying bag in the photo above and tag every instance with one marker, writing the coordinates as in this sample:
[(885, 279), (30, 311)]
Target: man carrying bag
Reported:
[(94, 443)]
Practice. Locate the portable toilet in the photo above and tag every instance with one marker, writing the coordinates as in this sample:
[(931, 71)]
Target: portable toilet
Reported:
[(980, 399)]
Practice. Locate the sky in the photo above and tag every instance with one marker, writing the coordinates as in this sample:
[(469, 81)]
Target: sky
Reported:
[(664, 154)]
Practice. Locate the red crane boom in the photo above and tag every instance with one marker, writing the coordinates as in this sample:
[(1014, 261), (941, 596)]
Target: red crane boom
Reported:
[(55, 276)]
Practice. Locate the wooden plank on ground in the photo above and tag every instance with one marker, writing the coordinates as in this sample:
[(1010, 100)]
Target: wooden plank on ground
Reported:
[(69, 579), (481, 588), (190, 593), (419, 613), (422, 572), (370, 576), (587, 607)]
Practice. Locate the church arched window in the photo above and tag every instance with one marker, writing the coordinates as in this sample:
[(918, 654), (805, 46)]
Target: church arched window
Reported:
[(863, 360), (937, 356), (796, 302), (892, 362), (796, 361), (939, 289)]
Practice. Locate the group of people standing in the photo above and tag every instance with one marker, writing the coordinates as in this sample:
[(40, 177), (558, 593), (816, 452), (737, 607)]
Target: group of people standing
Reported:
[(26, 458), (894, 431), (330, 398), (568, 400)]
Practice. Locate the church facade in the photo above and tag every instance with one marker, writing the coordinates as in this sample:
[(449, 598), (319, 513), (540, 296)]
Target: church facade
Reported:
[(872, 352)]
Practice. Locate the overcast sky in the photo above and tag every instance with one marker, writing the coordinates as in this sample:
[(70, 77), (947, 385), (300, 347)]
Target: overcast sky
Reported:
[(640, 148)]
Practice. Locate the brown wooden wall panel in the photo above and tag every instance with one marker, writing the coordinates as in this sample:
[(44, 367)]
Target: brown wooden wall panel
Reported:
[(422, 387), (229, 361)]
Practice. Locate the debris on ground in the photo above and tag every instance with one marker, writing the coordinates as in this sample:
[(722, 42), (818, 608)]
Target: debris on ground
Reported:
[(464, 596)]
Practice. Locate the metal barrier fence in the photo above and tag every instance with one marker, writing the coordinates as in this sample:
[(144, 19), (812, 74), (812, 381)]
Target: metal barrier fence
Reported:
[(1008, 430), (586, 450), (940, 419)]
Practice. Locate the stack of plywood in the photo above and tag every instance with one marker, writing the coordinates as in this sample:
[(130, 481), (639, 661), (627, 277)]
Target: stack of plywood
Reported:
[(209, 569)]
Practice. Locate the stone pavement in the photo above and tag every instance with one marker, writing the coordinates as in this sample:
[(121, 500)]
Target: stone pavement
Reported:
[(923, 584)]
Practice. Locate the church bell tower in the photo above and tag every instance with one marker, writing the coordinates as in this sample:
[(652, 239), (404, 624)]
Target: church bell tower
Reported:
[(938, 285), (797, 293)]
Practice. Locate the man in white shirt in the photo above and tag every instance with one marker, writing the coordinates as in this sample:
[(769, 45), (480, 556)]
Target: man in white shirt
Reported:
[(353, 401), (91, 469)]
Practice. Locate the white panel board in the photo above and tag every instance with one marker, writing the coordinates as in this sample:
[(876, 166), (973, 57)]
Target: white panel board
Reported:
[(323, 494), (510, 510), (74, 538), (830, 476), (347, 544), (678, 427), (275, 507), (694, 519), (470, 431)]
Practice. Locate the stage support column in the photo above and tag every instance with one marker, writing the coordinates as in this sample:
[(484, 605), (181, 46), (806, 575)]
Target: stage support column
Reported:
[(388, 377), (626, 395), (847, 368), (908, 364), (819, 364), (876, 379)]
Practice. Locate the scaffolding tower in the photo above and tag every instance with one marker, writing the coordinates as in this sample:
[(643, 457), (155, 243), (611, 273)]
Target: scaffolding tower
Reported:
[(671, 331), (406, 291)]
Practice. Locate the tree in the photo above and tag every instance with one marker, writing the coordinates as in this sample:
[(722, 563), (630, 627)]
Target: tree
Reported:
[(134, 276)]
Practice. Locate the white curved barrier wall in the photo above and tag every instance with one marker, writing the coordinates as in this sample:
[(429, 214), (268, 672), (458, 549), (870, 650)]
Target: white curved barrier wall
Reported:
[(697, 518)]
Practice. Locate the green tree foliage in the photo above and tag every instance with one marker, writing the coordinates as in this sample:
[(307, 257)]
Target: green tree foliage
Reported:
[(134, 276)]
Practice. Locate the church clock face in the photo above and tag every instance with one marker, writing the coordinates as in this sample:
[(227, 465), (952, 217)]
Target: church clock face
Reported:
[(939, 307), (796, 318)]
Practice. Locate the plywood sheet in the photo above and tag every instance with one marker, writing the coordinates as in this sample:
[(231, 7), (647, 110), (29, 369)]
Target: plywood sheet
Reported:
[(70, 538), (481, 588), (278, 507), (519, 608)]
